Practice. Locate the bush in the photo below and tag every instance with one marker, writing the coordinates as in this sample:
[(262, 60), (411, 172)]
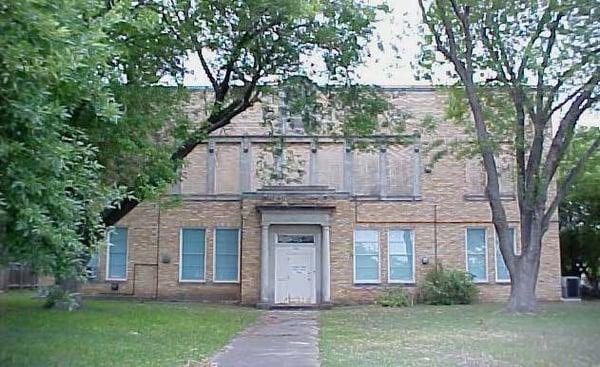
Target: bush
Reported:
[(448, 287), (62, 298), (394, 298)]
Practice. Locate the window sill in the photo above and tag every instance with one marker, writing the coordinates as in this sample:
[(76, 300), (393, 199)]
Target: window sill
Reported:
[(120, 280), (503, 282), (192, 281), (483, 197), (402, 283), (360, 284), (226, 281)]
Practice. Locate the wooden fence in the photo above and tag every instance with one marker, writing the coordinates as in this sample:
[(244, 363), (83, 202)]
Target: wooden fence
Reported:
[(17, 275)]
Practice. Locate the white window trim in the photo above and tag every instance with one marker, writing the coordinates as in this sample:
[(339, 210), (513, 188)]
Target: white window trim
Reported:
[(487, 278), (239, 256), (181, 280), (108, 245), (496, 244), (354, 279), (412, 238)]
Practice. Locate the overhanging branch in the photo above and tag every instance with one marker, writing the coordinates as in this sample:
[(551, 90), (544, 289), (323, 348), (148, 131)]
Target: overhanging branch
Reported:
[(569, 179)]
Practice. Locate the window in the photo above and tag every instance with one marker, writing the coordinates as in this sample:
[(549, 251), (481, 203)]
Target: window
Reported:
[(366, 256), (191, 262), (400, 256), (116, 261), (476, 254), (502, 274), (226, 255), (295, 238)]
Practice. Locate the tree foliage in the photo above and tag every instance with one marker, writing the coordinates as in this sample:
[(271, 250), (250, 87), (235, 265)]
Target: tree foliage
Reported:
[(245, 46), (53, 61), (75, 137), (580, 219), (521, 66)]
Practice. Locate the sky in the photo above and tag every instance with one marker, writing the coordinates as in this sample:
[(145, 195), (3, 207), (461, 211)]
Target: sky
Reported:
[(383, 68)]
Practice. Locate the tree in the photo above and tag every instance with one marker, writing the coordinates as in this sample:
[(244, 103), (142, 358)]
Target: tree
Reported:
[(74, 137), (53, 61), (540, 60), (580, 221), (243, 45)]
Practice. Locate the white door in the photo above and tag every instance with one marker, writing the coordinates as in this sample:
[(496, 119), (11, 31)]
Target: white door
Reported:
[(295, 274)]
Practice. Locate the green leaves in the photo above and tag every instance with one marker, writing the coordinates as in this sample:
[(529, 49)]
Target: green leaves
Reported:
[(54, 62)]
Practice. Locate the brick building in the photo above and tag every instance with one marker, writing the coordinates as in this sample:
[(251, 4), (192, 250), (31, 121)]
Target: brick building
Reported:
[(288, 218)]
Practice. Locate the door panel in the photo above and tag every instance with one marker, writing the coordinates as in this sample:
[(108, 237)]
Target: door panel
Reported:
[(295, 274)]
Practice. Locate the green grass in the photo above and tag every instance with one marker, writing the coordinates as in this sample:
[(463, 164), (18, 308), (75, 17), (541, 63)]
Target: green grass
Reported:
[(561, 335), (114, 333)]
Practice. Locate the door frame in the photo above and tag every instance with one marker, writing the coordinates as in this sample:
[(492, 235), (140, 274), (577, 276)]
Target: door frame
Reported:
[(295, 229), (275, 216)]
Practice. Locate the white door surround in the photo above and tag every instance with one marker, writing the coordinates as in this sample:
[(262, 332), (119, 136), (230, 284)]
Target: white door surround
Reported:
[(295, 268)]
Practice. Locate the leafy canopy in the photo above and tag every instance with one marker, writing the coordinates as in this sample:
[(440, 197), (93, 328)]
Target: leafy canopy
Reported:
[(53, 61), (75, 138)]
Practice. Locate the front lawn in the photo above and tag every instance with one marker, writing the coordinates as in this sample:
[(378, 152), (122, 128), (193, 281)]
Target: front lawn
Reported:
[(476, 335), (114, 333)]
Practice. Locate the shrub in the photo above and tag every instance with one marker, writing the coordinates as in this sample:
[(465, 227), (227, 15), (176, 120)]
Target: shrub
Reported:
[(62, 298), (448, 287), (396, 297)]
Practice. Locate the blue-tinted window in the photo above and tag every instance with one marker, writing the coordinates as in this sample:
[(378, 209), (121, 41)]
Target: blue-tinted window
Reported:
[(117, 254), (400, 247), (476, 247), (366, 256), (226, 255), (502, 274), (192, 254)]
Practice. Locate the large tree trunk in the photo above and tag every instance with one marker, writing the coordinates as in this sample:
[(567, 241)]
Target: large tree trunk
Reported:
[(522, 292), (524, 275)]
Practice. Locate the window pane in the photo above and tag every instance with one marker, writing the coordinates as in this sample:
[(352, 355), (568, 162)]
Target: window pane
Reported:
[(476, 267), (365, 236), (226, 262), (227, 241), (116, 271), (192, 257), (400, 242), (193, 241), (366, 255), (117, 253), (192, 272), (366, 248), (476, 240), (400, 255), (226, 268), (294, 238), (367, 268), (501, 269), (401, 268)]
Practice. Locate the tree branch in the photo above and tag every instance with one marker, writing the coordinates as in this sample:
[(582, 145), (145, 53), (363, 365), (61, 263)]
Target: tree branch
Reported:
[(205, 67), (541, 88), (564, 134), (568, 181)]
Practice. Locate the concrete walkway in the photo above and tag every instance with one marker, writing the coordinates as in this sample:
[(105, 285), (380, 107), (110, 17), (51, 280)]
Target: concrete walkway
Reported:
[(278, 338)]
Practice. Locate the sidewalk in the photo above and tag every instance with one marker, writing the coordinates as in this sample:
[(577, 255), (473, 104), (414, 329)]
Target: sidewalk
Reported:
[(279, 338)]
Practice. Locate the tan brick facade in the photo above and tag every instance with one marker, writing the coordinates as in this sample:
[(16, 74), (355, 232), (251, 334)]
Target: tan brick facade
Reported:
[(437, 211)]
